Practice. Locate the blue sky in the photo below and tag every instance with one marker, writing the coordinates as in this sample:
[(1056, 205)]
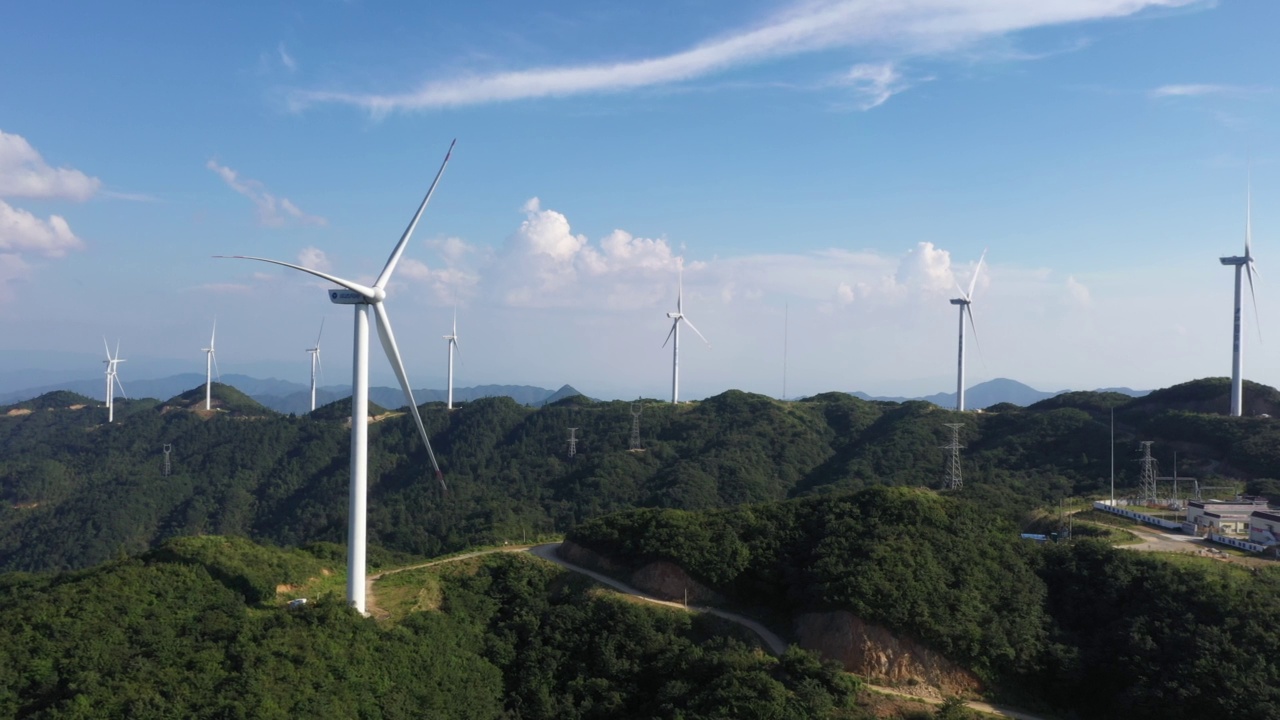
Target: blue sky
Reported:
[(842, 164)]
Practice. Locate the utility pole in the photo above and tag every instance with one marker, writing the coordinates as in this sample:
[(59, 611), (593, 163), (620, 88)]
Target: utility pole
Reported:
[(1113, 456), (951, 480), (573, 442)]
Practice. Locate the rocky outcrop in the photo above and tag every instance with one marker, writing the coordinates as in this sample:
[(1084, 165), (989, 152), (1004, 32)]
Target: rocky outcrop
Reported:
[(661, 579), (878, 655)]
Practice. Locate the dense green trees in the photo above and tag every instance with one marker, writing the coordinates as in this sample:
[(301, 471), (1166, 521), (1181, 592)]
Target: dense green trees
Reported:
[(75, 491), (1101, 632), (179, 633)]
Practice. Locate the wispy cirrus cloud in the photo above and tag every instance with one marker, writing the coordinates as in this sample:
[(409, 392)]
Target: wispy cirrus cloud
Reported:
[(900, 28), (273, 211), (1201, 90), (874, 82)]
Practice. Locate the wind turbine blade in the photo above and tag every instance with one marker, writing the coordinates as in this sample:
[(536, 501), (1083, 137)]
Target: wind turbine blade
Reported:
[(393, 356), (404, 239), (691, 327), (354, 287), (969, 311), (321, 334), (673, 332), (216, 371), (456, 348), (974, 282), (319, 366), (119, 385), (214, 334), (106, 347), (680, 286), (1248, 271)]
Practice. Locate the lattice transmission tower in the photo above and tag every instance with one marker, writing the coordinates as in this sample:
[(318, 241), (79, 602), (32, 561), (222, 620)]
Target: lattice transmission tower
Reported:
[(167, 449), (951, 479), (573, 442), (1147, 491), (636, 408)]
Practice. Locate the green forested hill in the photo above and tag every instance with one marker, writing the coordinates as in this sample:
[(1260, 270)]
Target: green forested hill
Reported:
[(1090, 630), (75, 491), (192, 630)]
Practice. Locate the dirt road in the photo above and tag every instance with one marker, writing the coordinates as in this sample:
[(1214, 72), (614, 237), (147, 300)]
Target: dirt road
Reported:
[(772, 640)]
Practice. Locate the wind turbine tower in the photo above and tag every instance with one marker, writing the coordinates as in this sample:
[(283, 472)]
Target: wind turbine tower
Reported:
[(1241, 263), (453, 345), (673, 337), (315, 364), (965, 302), (113, 381), (210, 365), (363, 298)]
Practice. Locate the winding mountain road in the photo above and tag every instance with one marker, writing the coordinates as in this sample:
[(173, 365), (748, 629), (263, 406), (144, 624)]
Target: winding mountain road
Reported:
[(772, 641)]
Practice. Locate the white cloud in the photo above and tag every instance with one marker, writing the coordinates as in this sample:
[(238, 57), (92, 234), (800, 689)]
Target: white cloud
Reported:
[(24, 232), (1077, 292), (544, 264), (909, 26), (844, 294), (875, 82), (273, 211), (313, 258), (286, 59), (23, 173), (1194, 90)]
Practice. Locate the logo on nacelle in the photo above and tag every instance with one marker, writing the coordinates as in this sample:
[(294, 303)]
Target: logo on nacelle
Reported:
[(345, 297)]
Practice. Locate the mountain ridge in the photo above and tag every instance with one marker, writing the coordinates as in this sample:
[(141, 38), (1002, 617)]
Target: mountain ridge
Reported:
[(994, 392)]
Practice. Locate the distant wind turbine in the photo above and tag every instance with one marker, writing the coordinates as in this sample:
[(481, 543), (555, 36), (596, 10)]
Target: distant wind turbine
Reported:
[(210, 365), (965, 302), (673, 337), (453, 345), (113, 381), (1244, 262), (363, 297), (315, 364)]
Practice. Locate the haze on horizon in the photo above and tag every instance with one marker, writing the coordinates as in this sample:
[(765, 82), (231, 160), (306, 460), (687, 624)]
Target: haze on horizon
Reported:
[(840, 162)]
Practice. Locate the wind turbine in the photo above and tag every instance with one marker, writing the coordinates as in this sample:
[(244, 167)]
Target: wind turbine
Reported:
[(673, 337), (965, 301), (453, 345), (113, 381), (210, 365), (362, 297), (315, 364), (1244, 262)]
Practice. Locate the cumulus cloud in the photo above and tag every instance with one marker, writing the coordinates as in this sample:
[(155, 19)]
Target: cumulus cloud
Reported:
[(23, 232), (911, 27), (23, 173), (543, 262), (1077, 293), (273, 211)]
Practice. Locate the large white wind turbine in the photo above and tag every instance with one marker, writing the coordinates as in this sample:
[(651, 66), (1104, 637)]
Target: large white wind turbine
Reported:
[(673, 337), (315, 363), (113, 381), (363, 297), (1244, 262), (210, 365), (965, 302), (453, 345)]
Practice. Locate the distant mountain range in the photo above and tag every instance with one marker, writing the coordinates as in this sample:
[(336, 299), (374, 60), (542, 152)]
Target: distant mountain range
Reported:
[(290, 397), (994, 392)]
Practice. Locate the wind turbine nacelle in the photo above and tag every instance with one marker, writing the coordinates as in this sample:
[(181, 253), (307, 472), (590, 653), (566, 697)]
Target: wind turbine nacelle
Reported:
[(346, 297)]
